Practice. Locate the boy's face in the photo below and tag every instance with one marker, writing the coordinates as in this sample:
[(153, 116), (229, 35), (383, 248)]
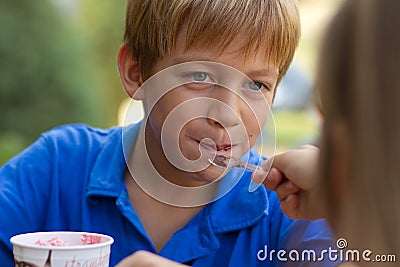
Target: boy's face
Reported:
[(213, 104)]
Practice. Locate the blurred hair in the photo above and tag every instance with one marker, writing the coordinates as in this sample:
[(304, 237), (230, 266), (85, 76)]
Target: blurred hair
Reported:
[(359, 91), (152, 27)]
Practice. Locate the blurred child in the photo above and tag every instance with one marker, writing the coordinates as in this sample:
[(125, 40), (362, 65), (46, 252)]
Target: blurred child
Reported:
[(213, 66), (358, 82)]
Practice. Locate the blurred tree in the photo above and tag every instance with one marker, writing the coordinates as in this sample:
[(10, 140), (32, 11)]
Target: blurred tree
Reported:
[(43, 75)]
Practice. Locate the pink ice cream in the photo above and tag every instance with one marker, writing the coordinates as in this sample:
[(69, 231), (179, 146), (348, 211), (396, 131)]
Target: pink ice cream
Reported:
[(86, 239)]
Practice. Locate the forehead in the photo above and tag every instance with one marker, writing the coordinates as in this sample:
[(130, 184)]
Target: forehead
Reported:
[(233, 54)]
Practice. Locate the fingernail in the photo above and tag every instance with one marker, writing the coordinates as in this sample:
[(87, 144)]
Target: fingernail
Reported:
[(253, 186)]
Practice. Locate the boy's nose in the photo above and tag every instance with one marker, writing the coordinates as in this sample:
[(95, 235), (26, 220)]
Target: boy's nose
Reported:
[(227, 110)]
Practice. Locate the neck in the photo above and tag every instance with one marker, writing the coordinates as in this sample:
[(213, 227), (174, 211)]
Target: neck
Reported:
[(159, 219), (161, 180)]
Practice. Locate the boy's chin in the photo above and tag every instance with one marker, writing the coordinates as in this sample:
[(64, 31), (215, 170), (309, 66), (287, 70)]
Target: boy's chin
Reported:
[(209, 175)]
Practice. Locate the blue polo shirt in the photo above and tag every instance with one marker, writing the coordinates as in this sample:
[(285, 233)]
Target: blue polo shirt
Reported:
[(72, 178)]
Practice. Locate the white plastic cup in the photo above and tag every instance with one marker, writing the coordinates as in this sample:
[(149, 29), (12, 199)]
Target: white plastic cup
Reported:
[(29, 254)]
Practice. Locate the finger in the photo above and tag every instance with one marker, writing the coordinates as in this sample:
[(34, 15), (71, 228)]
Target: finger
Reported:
[(274, 178), (281, 161), (285, 189), (256, 180), (258, 176), (290, 206)]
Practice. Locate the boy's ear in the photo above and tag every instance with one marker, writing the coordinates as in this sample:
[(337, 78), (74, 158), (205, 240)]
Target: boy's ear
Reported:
[(129, 73)]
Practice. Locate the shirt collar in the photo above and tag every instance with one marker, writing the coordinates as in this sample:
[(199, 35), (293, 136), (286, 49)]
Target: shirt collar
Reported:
[(237, 209), (107, 175)]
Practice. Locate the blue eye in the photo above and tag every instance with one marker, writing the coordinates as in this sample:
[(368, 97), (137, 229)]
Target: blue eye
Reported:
[(256, 86), (200, 77), (199, 80)]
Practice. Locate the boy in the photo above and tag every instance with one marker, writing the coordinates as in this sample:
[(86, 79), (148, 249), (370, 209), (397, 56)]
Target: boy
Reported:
[(198, 55)]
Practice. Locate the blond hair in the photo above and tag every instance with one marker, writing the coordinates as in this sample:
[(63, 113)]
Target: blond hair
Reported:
[(359, 82), (152, 27)]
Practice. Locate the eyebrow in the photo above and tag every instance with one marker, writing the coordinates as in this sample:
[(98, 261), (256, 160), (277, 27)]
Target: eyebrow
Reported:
[(190, 58)]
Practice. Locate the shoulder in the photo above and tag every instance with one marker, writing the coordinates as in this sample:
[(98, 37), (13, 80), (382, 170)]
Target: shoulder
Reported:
[(65, 145), (78, 133), (78, 138)]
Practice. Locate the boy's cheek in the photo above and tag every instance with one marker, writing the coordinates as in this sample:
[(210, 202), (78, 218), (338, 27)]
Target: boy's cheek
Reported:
[(253, 137)]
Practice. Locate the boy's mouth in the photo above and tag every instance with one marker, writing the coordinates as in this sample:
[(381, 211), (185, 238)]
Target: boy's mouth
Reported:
[(217, 149)]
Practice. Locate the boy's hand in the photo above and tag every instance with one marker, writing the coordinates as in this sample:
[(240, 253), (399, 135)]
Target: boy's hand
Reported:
[(147, 259), (293, 176)]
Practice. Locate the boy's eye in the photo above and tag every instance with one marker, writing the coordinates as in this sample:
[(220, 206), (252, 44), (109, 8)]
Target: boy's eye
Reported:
[(199, 80), (200, 77), (256, 86)]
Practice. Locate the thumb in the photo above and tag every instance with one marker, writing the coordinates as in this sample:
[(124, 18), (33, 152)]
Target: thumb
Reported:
[(298, 165)]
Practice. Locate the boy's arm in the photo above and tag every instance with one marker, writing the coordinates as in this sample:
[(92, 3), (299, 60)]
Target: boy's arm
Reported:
[(23, 186), (293, 176)]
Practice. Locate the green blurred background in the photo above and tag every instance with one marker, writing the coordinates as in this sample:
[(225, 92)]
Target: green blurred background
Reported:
[(58, 65)]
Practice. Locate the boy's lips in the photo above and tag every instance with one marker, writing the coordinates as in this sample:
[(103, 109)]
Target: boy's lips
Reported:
[(216, 149)]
